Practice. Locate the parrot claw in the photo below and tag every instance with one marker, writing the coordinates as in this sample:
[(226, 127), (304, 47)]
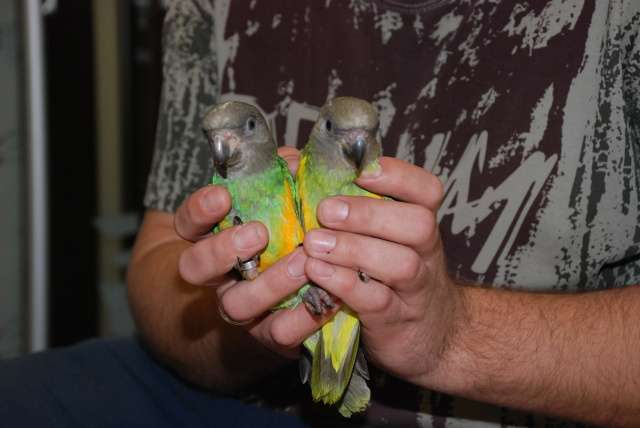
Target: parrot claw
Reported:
[(363, 276), (318, 301)]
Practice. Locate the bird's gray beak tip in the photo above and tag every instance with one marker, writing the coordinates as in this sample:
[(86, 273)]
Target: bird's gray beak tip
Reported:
[(221, 153), (356, 151)]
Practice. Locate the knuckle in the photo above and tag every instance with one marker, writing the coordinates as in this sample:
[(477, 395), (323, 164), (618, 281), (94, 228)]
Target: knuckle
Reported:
[(425, 225), (216, 250), (437, 190), (278, 283), (402, 175), (282, 336), (382, 300), (252, 297), (183, 221), (180, 221), (201, 262), (349, 283), (365, 212), (207, 249), (227, 303), (224, 199), (410, 266), (262, 333), (194, 214), (348, 248), (186, 267)]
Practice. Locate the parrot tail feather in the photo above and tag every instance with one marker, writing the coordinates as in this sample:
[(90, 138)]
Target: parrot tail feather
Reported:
[(357, 396), (334, 356)]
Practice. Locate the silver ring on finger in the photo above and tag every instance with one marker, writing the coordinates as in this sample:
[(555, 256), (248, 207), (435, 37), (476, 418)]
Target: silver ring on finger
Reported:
[(230, 320)]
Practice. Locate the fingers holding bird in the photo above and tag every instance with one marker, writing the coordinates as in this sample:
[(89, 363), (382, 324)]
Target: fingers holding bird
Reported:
[(208, 260), (392, 241), (365, 296), (407, 224), (200, 211), (281, 331), (395, 265), (405, 182), (246, 300), (285, 330), (408, 294)]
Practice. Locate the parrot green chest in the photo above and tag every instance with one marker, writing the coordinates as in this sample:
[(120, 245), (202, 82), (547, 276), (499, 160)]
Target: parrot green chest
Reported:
[(267, 197), (317, 180)]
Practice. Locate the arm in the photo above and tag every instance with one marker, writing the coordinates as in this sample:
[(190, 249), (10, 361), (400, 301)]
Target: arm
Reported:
[(571, 355), (180, 322), (574, 356)]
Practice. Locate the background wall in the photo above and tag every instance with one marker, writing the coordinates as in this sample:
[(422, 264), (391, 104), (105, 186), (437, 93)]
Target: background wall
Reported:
[(127, 51), (102, 83)]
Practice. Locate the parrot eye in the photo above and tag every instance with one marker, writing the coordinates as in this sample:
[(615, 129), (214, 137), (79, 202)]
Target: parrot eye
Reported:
[(328, 125), (251, 124)]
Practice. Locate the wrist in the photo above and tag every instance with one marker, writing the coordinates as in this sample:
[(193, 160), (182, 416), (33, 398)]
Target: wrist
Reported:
[(493, 348), (453, 371)]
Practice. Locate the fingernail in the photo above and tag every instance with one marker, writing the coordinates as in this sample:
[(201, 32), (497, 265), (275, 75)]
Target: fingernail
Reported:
[(210, 201), (321, 268), (247, 237), (295, 267), (333, 210), (321, 241), (373, 170)]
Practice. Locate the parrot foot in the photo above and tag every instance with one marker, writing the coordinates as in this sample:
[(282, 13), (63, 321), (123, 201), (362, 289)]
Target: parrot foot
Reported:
[(317, 300), (248, 268)]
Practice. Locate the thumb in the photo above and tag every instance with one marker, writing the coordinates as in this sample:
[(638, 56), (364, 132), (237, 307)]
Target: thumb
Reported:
[(291, 155)]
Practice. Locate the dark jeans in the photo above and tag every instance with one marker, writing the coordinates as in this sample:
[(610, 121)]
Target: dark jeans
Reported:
[(114, 383)]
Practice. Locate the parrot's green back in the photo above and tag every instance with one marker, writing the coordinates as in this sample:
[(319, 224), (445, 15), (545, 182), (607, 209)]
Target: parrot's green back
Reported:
[(337, 341), (268, 197)]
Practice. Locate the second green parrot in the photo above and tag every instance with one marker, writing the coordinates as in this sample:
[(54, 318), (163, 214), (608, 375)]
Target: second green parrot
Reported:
[(342, 144)]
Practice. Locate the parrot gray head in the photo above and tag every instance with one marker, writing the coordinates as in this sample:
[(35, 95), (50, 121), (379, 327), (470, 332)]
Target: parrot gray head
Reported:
[(345, 133), (240, 139)]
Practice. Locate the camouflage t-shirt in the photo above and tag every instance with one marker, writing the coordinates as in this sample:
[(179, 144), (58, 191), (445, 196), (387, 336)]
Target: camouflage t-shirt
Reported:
[(527, 111)]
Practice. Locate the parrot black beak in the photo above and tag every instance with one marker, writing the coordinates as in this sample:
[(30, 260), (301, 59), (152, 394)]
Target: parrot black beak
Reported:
[(221, 153), (356, 148)]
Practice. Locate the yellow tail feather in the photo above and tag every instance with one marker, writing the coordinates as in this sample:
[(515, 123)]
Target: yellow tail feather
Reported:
[(334, 357)]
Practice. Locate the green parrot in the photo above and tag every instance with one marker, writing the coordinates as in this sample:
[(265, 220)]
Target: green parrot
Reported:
[(261, 186), (342, 144)]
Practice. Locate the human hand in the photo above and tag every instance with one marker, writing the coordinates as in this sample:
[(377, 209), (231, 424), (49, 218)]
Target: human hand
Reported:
[(210, 259), (408, 306)]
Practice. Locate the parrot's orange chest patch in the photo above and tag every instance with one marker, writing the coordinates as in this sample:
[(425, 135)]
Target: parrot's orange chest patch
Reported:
[(289, 232)]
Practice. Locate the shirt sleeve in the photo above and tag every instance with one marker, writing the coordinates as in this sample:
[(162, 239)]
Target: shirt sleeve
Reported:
[(180, 161)]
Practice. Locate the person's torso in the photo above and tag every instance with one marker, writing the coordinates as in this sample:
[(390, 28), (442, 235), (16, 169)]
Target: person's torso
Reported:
[(517, 107)]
